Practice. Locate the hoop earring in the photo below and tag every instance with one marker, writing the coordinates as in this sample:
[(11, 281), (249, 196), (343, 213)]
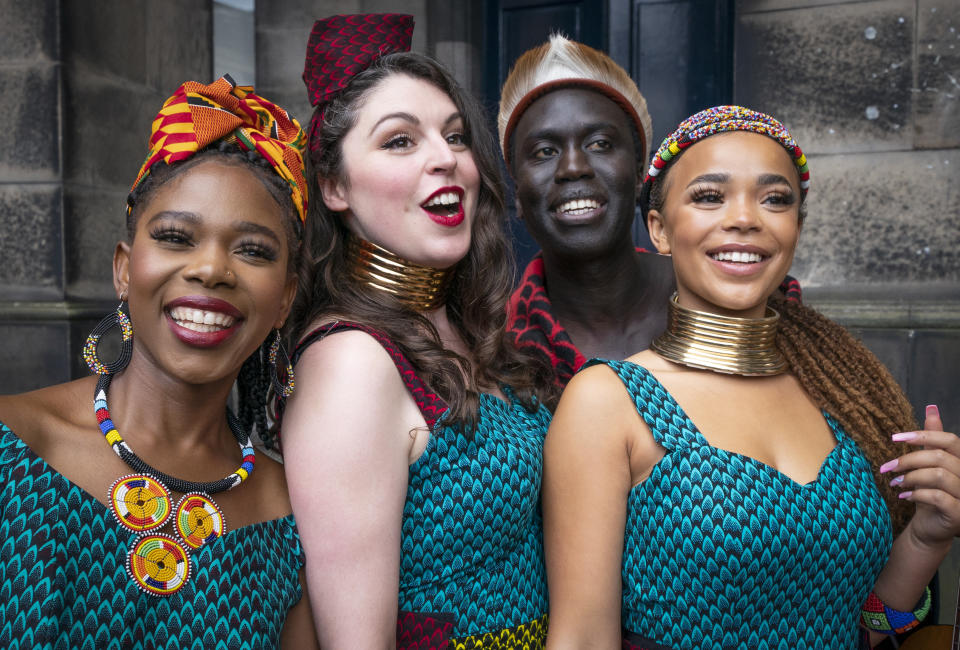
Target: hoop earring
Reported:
[(113, 319), (284, 387)]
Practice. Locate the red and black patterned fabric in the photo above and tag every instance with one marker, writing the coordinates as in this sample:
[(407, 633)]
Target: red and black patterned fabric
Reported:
[(429, 403), (419, 631), (344, 45), (532, 325)]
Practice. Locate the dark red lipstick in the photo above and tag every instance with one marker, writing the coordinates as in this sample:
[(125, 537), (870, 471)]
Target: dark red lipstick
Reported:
[(225, 319), (448, 213)]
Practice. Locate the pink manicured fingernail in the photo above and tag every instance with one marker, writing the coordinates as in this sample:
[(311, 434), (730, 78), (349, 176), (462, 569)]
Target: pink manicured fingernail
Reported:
[(904, 437), (897, 481), (933, 411), (886, 467), (905, 495)]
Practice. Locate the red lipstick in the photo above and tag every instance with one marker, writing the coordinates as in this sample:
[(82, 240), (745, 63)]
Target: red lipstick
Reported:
[(219, 321), (438, 211)]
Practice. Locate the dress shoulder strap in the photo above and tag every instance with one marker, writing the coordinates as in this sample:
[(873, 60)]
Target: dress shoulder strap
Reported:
[(670, 426), (431, 406)]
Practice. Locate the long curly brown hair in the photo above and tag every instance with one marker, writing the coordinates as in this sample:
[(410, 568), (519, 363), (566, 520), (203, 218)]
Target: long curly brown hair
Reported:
[(847, 381), (481, 283)]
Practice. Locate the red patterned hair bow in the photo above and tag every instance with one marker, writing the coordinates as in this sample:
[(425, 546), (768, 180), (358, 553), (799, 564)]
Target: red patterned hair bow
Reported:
[(345, 45)]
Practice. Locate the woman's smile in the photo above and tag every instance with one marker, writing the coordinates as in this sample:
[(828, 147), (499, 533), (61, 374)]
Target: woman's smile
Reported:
[(208, 271), (203, 321), (731, 229)]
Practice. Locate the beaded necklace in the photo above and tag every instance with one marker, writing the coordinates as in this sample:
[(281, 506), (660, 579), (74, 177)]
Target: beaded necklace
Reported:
[(158, 563)]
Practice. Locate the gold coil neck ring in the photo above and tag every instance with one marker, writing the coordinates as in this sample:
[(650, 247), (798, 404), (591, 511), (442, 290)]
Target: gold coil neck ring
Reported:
[(737, 346), (421, 288)]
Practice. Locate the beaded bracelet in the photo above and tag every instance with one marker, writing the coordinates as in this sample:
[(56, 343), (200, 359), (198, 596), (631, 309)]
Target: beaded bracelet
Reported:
[(876, 616)]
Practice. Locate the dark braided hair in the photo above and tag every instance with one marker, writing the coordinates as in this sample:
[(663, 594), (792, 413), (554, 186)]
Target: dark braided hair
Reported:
[(253, 381), (230, 153), (846, 380), (253, 391)]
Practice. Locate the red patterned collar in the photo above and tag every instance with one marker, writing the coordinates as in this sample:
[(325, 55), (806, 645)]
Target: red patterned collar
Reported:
[(532, 325)]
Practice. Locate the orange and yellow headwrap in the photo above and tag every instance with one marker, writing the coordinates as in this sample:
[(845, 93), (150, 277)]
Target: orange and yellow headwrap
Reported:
[(198, 114)]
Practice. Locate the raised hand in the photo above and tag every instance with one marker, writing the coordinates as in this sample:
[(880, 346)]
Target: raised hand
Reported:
[(930, 477)]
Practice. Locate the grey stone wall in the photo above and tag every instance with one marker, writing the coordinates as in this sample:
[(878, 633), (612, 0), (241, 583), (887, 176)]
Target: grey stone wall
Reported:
[(80, 82), (30, 150), (871, 91)]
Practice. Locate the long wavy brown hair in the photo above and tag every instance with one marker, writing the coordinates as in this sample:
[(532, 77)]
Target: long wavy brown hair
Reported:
[(481, 283)]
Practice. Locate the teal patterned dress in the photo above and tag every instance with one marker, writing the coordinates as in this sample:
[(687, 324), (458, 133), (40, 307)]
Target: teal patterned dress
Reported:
[(472, 573), (723, 551), (63, 581)]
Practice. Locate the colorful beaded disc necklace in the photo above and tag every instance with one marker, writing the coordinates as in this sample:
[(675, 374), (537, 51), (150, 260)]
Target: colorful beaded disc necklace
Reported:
[(159, 563)]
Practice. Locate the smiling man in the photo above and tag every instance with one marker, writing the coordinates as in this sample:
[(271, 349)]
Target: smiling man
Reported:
[(574, 131)]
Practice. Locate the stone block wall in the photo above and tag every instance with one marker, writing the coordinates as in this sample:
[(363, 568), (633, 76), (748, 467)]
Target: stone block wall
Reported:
[(871, 91), (123, 59), (81, 81), (30, 162)]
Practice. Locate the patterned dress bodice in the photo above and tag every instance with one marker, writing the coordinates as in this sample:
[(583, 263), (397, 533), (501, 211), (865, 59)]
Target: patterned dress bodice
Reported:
[(472, 540), (63, 581), (724, 551), (472, 534)]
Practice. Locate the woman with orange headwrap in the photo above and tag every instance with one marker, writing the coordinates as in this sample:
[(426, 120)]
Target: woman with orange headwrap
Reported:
[(115, 517)]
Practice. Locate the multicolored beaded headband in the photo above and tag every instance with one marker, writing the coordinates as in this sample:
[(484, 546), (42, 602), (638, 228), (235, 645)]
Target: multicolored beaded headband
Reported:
[(722, 119), (197, 115), (343, 46)]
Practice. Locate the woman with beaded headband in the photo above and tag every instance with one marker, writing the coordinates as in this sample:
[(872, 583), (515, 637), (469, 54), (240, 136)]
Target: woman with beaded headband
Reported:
[(736, 490), (413, 443), (132, 514)]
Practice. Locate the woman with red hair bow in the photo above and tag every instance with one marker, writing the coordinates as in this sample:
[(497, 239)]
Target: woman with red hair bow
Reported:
[(413, 444)]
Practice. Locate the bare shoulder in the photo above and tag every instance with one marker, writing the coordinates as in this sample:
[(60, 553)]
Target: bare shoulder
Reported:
[(596, 400), (597, 406), (596, 385), (346, 365), (346, 353), (46, 416), (347, 383)]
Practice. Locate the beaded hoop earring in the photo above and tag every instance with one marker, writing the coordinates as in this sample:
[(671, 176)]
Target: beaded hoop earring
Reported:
[(284, 387), (115, 319)]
